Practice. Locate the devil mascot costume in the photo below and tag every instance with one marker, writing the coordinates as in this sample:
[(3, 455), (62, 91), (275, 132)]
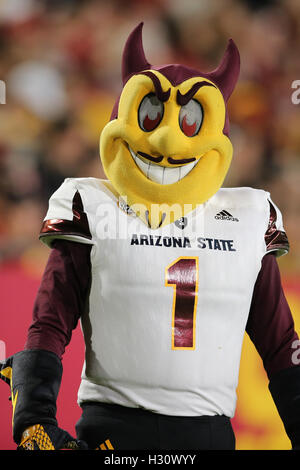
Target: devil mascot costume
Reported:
[(165, 270)]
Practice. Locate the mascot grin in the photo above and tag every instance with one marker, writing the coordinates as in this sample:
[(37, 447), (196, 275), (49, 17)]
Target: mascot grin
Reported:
[(166, 149)]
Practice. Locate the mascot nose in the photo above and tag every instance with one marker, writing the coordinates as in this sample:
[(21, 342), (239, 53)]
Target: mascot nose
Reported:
[(161, 141)]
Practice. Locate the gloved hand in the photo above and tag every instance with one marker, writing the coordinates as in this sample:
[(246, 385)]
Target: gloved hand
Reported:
[(34, 377), (49, 437)]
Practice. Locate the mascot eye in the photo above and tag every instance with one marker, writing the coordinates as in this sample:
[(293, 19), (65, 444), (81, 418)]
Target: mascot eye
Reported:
[(190, 118), (150, 113)]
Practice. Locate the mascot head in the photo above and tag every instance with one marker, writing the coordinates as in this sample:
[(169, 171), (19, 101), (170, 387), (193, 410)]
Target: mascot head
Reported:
[(166, 148)]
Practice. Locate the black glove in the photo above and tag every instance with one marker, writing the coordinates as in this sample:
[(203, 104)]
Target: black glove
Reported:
[(285, 391), (34, 377)]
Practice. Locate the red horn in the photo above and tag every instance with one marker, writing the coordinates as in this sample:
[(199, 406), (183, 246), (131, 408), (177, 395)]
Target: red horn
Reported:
[(226, 75), (134, 60)]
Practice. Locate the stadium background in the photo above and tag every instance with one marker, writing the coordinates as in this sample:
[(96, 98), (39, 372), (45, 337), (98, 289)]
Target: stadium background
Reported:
[(61, 60)]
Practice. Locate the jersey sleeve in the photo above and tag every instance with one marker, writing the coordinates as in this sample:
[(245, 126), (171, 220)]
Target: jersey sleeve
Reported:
[(270, 324), (275, 237), (66, 217), (61, 298)]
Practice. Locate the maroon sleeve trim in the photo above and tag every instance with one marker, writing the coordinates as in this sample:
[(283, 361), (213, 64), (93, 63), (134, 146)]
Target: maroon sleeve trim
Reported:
[(276, 240), (270, 324), (79, 226), (62, 297)]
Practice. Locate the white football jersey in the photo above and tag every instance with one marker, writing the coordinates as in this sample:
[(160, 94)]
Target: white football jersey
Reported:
[(167, 307)]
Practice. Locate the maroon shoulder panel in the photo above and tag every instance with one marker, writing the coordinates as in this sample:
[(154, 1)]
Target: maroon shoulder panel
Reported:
[(275, 239), (78, 226)]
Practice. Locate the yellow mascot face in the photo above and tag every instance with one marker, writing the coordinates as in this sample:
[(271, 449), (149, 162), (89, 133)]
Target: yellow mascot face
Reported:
[(166, 149)]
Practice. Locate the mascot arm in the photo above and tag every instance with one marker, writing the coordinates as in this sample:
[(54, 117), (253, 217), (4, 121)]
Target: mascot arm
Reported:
[(66, 280), (34, 374), (271, 328), (34, 377), (61, 299)]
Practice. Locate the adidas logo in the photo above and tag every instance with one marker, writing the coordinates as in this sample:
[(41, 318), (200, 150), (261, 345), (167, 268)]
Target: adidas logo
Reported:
[(224, 215), (107, 445)]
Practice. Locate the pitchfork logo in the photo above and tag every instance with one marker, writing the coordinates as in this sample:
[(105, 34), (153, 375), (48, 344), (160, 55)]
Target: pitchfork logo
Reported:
[(181, 223)]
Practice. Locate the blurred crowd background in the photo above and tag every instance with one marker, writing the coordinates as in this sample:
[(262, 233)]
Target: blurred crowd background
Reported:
[(61, 62)]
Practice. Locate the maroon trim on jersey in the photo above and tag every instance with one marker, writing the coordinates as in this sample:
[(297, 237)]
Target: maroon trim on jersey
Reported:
[(275, 239), (61, 298), (270, 323), (79, 226)]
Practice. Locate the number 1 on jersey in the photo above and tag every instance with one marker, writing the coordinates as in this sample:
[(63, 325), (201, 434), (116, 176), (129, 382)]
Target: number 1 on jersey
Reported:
[(182, 275)]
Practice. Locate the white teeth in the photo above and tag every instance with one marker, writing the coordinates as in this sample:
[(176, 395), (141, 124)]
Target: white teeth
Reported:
[(162, 174)]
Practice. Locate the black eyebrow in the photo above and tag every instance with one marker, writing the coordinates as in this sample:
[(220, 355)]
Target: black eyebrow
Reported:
[(184, 99), (161, 95)]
